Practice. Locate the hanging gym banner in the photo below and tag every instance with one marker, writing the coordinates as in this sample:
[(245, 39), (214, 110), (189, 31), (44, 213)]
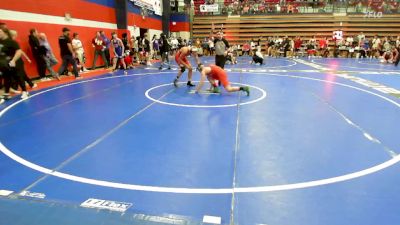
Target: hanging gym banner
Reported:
[(151, 5), (209, 8)]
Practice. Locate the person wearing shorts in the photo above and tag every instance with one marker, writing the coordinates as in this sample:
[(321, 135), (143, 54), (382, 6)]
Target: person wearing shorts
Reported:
[(297, 45), (129, 59), (211, 46), (164, 51), (311, 47), (146, 49), (79, 51), (258, 57), (391, 56), (376, 46), (396, 56), (215, 73), (323, 47), (183, 63), (118, 47)]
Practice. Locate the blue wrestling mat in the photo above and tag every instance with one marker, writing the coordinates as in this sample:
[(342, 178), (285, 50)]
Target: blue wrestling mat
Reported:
[(315, 143)]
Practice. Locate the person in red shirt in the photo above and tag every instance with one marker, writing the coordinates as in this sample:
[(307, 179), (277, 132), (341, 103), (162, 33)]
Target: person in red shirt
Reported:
[(396, 58), (99, 46), (322, 43), (129, 59), (215, 73), (183, 62), (246, 48), (323, 47), (297, 44)]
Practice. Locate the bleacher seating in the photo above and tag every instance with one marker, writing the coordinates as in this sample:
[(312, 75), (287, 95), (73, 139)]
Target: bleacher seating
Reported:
[(244, 28)]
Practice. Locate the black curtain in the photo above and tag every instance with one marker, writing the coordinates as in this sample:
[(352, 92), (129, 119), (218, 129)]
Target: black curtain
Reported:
[(166, 16), (121, 10)]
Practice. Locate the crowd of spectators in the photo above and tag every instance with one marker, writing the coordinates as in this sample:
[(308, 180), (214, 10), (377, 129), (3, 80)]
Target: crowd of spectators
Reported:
[(384, 48), (253, 7), (114, 51)]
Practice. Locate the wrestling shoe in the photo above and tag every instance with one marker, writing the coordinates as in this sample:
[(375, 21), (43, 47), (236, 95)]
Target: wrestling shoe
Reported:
[(24, 95), (6, 97), (176, 82), (247, 90), (189, 83), (216, 90)]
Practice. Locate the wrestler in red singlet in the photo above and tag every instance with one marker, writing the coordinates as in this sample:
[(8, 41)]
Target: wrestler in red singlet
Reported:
[(217, 73), (183, 63), (214, 73)]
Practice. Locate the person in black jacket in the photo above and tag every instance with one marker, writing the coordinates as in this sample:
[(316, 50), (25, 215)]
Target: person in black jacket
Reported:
[(285, 46), (15, 84), (67, 53), (38, 53), (125, 41), (11, 65), (164, 51), (2, 25)]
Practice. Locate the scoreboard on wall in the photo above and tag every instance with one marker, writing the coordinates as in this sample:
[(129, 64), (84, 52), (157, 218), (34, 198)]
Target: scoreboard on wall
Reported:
[(151, 5)]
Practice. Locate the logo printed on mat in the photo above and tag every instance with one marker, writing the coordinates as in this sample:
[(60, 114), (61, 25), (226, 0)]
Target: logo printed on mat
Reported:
[(32, 194), (105, 204)]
